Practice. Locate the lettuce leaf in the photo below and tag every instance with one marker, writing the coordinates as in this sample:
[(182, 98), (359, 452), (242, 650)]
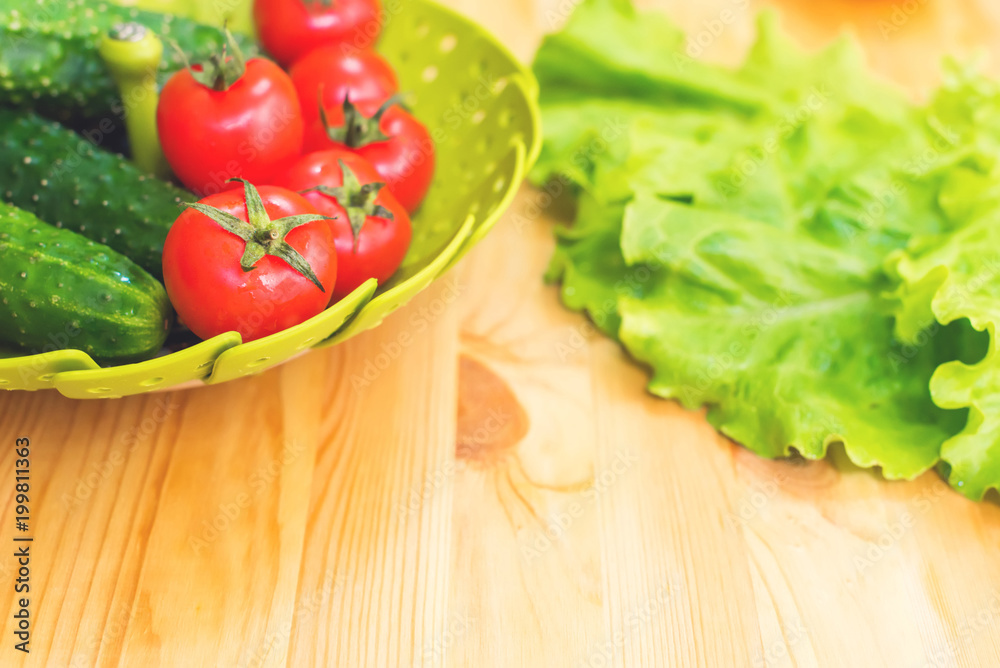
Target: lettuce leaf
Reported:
[(786, 339), (733, 232), (954, 278)]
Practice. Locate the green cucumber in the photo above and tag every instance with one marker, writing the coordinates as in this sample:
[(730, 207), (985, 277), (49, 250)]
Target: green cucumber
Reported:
[(65, 180), (60, 290), (50, 61)]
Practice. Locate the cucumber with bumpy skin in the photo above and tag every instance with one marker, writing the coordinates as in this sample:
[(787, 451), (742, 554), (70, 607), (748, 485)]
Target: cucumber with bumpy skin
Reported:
[(60, 290), (68, 182), (49, 58)]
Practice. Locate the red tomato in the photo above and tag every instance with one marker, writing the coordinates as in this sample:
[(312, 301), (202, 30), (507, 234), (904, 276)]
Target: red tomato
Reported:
[(366, 77), (221, 281), (384, 235), (397, 145), (289, 29), (243, 130)]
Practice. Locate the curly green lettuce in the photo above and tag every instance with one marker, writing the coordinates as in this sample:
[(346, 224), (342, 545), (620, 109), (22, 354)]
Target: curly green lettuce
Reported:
[(733, 231)]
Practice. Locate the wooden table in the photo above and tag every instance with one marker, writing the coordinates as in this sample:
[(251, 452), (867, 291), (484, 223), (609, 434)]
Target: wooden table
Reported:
[(482, 481)]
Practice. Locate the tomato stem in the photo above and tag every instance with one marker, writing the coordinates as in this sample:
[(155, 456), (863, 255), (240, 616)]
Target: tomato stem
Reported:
[(358, 200), (222, 70), (262, 235), (358, 130)]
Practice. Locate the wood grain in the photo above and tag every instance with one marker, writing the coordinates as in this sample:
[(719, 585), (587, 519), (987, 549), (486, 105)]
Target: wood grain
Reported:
[(482, 481)]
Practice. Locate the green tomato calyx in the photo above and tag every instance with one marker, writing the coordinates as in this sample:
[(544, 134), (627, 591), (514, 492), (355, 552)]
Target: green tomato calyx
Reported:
[(358, 130), (262, 235), (222, 69), (357, 199)]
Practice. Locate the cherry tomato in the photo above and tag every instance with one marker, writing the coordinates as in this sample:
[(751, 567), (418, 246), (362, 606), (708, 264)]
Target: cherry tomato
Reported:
[(289, 29), (228, 119), (397, 145), (377, 244), (330, 76), (223, 274)]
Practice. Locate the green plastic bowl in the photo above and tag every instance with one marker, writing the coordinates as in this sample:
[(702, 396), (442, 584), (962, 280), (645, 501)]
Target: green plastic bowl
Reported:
[(480, 105)]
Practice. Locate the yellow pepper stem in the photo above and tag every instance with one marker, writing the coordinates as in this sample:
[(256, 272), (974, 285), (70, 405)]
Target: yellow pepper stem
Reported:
[(133, 54)]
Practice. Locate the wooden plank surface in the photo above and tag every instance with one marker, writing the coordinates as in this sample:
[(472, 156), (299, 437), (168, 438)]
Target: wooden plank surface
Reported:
[(495, 488)]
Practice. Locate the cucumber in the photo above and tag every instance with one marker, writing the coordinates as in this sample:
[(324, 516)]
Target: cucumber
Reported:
[(60, 290), (49, 60), (65, 180)]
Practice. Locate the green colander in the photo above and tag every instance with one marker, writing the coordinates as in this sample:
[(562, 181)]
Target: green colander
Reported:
[(480, 105)]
